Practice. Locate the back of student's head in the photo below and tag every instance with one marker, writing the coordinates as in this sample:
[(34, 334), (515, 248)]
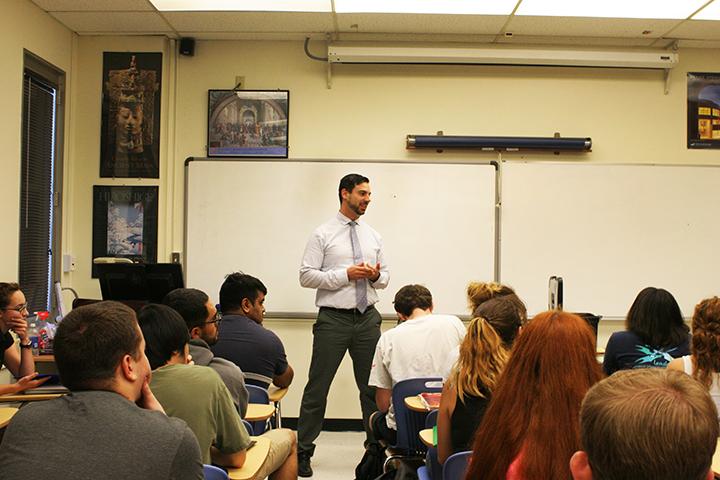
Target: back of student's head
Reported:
[(91, 341), (536, 401), (705, 345), (237, 287), (6, 291), (656, 318), (165, 333), (479, 292), (190, 303), (649, 424), (410, 297)]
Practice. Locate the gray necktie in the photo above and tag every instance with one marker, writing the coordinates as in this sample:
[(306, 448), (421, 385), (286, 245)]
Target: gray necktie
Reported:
[(360, 284)]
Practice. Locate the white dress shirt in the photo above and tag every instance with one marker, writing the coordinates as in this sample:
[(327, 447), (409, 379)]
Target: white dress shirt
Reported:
[(328, 255), (414, 349)]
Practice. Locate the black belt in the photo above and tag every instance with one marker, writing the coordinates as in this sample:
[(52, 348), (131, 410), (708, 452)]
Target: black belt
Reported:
[(349, 311)]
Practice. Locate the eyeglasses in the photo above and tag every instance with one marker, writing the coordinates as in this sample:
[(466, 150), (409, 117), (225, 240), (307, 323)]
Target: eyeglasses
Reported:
[(19, 308), (217, 318)]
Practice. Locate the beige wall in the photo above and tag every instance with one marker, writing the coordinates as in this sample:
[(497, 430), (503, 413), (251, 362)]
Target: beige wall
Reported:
[(365, 115), (22, 27)]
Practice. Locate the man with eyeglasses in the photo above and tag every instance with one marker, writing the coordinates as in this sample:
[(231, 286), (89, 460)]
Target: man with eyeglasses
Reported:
[(202, 319), (13, 307)]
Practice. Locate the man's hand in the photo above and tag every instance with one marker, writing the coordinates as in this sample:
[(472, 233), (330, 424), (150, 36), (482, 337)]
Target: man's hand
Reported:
[(19, 326), (147, 399), (363, 270), (28, 382)]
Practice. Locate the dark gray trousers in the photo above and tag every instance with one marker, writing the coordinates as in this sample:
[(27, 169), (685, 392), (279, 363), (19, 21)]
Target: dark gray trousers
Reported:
[(334, 333)]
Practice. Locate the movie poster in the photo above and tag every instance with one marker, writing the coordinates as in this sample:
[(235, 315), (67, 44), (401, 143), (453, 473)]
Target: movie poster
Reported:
[(703, 109), (130, 131), (125, 223)]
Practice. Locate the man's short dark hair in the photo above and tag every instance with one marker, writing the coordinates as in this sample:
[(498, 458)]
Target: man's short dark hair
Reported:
[(91, 342), (410, 297), (6, 291), (349, 181), (165, 333), (237, 287), (190, 304)]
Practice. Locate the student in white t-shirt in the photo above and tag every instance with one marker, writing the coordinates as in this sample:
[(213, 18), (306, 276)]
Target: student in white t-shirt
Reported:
[(417, 347)]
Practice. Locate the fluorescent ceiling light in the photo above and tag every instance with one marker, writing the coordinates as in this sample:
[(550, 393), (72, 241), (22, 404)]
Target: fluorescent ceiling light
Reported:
[(448, 7), (243, 5), (711, 12), (656, 9)]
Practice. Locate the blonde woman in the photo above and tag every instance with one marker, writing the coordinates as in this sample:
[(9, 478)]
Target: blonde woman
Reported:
[(483, 354), (703, 363)]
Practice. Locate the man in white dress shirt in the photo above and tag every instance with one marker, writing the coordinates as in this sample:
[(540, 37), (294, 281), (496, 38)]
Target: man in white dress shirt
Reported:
[(344, 261)]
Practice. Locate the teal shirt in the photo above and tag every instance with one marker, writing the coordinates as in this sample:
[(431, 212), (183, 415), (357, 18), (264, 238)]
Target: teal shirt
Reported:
[(197, 395)]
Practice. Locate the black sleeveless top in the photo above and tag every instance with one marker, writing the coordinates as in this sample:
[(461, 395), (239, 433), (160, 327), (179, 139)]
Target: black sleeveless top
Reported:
[(465, 419)]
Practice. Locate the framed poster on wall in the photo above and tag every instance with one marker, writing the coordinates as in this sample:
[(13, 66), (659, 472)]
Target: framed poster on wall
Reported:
[(130, 127), (248, 123), (703, 110), (125, 223)]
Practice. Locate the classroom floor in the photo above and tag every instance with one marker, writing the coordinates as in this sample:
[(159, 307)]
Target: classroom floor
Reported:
[(337, 454)]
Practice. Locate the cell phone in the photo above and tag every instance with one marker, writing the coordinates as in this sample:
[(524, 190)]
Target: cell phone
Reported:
[(40, 376), (252, 444)]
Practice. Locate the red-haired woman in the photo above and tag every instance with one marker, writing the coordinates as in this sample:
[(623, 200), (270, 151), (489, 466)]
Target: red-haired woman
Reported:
[(704, 362), (531, 429)]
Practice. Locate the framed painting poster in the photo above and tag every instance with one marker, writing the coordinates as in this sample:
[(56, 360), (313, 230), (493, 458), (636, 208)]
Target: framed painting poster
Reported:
[(703, 110), (130, 127), (125, 223), (248, 123)]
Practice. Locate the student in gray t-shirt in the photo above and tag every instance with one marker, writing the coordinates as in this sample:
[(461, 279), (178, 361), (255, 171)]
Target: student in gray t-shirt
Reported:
[(110, 426)]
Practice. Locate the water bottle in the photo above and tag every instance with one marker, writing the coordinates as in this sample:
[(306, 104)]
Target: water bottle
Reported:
[(34, 336)]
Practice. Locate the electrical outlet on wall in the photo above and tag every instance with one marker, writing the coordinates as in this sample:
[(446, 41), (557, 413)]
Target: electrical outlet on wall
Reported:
[(68, 263)]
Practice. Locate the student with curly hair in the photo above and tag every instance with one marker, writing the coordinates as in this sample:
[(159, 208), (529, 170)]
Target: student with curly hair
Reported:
[(655, 334), (704, 361), (530, 429), (483, 354)]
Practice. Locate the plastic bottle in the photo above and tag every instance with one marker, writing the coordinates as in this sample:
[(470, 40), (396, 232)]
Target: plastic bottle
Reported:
[(34, 336)]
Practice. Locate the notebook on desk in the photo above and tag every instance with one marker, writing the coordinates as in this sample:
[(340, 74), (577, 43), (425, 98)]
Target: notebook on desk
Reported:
[(43, 389)]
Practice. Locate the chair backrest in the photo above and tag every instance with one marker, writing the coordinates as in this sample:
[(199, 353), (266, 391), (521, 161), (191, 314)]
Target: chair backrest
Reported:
[(258, 395), (456, 465), (431, 419), (409, 423), (212, 472)]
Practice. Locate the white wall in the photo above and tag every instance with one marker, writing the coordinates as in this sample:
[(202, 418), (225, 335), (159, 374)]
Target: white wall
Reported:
[(366, 115), (23, 26)]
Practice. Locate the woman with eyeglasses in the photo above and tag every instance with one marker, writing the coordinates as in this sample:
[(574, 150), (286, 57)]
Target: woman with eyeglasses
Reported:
[(13, 310)]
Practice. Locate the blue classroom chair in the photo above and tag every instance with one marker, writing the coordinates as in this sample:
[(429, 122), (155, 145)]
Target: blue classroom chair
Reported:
[(211, 472), (456, 466)]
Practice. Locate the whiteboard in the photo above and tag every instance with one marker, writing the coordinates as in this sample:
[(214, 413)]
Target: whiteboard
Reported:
[(437, 222), (609, 231)]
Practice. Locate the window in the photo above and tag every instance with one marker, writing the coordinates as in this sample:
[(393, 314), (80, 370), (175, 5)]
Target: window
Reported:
[(39, 188)]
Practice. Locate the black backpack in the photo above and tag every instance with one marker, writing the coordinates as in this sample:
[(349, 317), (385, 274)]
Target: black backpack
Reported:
[(371, 465)]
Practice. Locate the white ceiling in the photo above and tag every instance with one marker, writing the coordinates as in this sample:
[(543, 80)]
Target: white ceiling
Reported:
[(139, 17)]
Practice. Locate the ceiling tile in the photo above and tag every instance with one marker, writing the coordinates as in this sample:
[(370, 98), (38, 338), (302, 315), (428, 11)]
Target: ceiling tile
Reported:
[(94, 5), (98, 22), (423, 24), (589, 27), (250, 21)]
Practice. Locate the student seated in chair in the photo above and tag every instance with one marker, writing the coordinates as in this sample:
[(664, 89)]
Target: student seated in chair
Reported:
[(647, 424), (244, 340), (203, 320), (416, 348), (197, 395), (13, 318), (110, 426)]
